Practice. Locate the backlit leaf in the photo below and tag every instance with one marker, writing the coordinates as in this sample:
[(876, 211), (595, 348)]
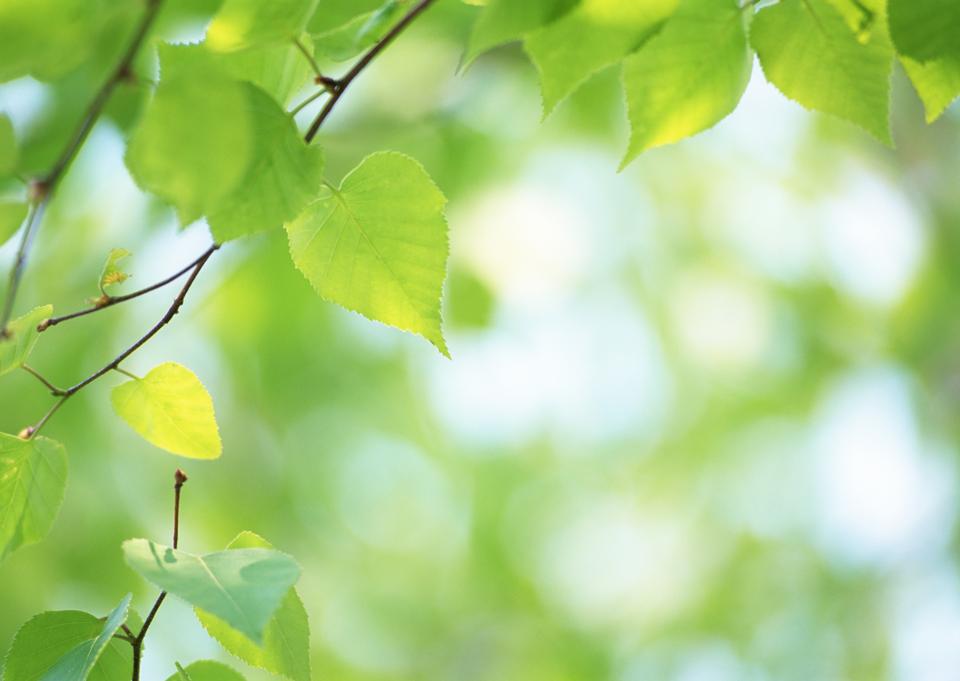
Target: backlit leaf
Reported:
[(79, 661), (377, 245), (21, 337), (925, 30), (46, 638), (807, 50), (596, 34), (170, 408), (689, 76), (286, 639), (12, 215), (33, 477), (361, 32), (502, 21), (205, 670), (111, 273), (937, 82), (241, 24), (243, 587)]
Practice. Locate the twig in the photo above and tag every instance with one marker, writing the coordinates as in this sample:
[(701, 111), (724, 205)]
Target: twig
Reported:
[(306, 53), (116, 300), (179, 478), (343, 83), (36, 374), (42, 189)]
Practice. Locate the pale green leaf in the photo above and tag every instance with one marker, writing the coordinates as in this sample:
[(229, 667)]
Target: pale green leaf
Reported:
[(937, 82), (362, 31), (46, 638), (925, 30), (596, 34), (336, 13), (170, 408), (33, 477), (79, 661), (195, 142), (689, 76), (279, 70), (807, 50), (503, 21), (378, 245), (21, 337), (286, 639), (205, 670), (243, 587), (12, 215), (242, 24), (111, 274), (284, 176), (8, 149)]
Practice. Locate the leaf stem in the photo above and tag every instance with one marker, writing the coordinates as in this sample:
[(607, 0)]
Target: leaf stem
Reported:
[(36, 374), (306, 53), (42, 189), (342, 84)]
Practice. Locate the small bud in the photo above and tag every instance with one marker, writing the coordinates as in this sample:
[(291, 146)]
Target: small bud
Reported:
[(179, 477), (26, 433), (37, 191), (43, 326)]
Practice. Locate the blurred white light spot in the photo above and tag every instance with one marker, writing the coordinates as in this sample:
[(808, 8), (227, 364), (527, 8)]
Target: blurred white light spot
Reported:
[(721, 322), (874, 240), (879, 495), (926, 644), (607, 565), (394, 498), (526, 244), (592, 372)]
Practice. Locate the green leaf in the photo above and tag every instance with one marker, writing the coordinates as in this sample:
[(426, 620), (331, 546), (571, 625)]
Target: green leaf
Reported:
[(21, 337), (46, 638), (8, 149), (937, 82), (12, 215), (503, 21), (596, 34), (195, 142), (284, 177), (33, 477), (170, 408), (279, 70), (378, 245), (361, 32), (77, 664), (242, 24), (205, 670), (243, 587), (925, 30), (689, 76), (286, 639), (807, 50), (111, 274)]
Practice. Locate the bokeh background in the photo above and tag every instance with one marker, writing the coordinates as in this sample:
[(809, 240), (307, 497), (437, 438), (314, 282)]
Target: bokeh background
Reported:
[(699, 425)]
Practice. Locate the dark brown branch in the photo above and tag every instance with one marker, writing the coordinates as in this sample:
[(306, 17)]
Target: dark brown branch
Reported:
[(116, 300), (179, 478), (115, 363), (340, 86), (42, 189)]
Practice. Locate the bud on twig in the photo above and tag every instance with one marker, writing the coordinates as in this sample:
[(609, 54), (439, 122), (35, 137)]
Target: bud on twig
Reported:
[(179, 477)]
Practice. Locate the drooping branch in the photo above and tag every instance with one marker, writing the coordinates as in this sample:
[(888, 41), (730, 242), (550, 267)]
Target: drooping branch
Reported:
[(340, 86), (42, 190)]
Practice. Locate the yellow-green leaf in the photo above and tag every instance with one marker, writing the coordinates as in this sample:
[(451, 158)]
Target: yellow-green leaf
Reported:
[(170, 408), (111, 273), (12, 215), (33, 476), (378, 245), (241, 24)]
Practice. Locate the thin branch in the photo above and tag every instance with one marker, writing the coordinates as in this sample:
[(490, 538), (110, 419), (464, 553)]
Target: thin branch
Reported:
[(116, 300), (179, 478), (364, 61), (306, 102), (37, 375), (43, 189), (114, 364)]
